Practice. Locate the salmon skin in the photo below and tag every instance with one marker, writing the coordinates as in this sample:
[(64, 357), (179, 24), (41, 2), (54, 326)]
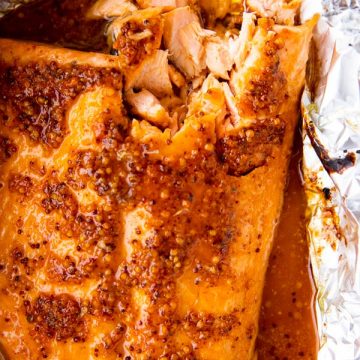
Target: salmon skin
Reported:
[(135, 224)]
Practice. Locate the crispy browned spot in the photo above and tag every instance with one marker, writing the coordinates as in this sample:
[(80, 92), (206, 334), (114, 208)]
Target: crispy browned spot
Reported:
[(56, 316), (7, 149), (20, 184), (245, 152), (59, 196)]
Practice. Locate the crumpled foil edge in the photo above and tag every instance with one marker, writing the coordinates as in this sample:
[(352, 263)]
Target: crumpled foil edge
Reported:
[(331, 170)]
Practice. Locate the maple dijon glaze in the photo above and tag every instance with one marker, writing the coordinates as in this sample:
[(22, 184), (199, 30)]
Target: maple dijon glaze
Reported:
[(121, 240)]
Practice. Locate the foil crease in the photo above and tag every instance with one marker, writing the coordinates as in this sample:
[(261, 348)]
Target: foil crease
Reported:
[(331, 169)]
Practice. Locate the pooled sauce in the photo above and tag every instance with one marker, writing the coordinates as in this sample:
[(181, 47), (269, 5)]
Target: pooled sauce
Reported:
[(287, 327), (287, 322)]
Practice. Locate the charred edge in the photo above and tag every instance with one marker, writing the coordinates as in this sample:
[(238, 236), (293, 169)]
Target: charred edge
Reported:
[(327, 193), (331, 165)]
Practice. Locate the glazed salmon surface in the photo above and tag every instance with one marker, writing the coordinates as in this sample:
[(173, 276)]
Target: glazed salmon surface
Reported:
[(137, 219)]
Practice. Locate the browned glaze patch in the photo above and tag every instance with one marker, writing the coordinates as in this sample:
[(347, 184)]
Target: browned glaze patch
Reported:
[(60, 22), (287, 324), (56, 316), (7, 148), (39, 95), (245, 152), (20, 184)]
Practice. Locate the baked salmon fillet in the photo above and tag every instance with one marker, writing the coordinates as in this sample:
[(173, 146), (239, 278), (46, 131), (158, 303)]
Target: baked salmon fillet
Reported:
[(135, 224)]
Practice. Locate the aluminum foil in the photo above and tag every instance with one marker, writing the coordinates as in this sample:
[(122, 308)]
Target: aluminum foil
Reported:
[(331, 168)]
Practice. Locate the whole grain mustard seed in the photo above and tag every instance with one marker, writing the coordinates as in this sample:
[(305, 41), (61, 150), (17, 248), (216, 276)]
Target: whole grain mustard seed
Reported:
[(164, 194), (180, 241), (106, 226), (182, 162), (174, 252), (249, 134), (212, 232), (165, 214), (209, 147)]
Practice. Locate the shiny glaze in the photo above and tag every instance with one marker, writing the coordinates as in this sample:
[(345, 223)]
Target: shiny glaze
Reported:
[(148, 248)]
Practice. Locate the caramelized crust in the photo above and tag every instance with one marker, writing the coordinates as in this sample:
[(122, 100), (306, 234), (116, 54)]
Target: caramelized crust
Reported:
[(250, 148), (38, 95), (7, 148), (56, 317)]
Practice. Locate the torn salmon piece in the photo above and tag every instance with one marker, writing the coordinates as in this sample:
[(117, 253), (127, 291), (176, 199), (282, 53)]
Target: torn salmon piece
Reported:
[(148, 107), (105, 9), (243, 43), (136, 36), (185, 39), (151, 74), (176, 77), (162, 145), (218, 58), (283, 11), (234, 120), (209, 99), (177, 110)]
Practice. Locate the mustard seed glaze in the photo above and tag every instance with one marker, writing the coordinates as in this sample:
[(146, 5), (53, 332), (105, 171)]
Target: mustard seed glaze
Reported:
[(39, 95), (122, 173), (194, 193)]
